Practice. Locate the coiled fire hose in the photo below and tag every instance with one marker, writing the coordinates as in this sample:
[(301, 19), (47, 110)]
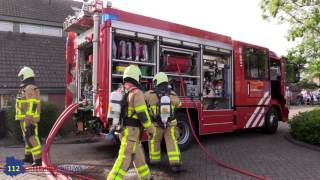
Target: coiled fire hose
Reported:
[(205, 150)]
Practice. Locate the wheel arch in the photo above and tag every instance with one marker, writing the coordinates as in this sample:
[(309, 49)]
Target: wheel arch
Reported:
[(194, 115)]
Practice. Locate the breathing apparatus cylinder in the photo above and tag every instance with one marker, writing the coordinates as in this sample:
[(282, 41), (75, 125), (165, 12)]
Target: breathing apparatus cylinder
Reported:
[(165, 109), (115, 107)]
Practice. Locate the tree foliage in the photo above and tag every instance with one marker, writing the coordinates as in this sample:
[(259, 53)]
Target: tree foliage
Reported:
[(303, 16)]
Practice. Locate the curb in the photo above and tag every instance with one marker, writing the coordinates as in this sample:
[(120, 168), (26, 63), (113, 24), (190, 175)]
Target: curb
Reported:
[(289, 138)]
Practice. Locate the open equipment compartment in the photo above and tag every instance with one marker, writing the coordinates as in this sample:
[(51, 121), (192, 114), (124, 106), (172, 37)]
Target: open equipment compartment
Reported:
[(217, 76), (83, 84), (181, 59), (129, 47)]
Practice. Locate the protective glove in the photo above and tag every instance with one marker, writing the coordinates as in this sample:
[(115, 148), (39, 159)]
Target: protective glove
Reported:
[(110, 136)]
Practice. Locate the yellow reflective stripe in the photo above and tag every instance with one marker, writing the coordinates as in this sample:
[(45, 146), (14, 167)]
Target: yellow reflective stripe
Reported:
[(144, 174), (31, 102), (28, 100), (115, 177), (154, 109), (117, 166), (36, 132), (35, 148), (110, 176), (122, 172), (19, 117), (18, 109), (130, 112), (35, 153), (155, 157), (152, 145), (142, 168), (173, 153), (148, 123), (155, 153), (27, 150), (174, 158), (134, 147), (173, 135), (140, 108)]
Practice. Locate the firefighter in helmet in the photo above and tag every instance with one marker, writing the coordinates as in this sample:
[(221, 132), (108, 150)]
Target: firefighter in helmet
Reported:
[(137, 118), (163, 102), (28, 113)]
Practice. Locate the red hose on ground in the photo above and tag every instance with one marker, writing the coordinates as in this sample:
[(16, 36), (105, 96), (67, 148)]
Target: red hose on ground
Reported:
[(45, 155), (56, 170), (211, 158), (46, 162)]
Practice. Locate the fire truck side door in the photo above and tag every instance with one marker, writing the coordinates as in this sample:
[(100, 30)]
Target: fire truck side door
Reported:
[(256, 84)]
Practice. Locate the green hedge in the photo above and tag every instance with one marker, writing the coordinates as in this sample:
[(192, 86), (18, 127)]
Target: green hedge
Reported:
[(48, 116), (306, 126)]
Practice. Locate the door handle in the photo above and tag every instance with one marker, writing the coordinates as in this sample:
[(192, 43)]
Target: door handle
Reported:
[(248, 90)]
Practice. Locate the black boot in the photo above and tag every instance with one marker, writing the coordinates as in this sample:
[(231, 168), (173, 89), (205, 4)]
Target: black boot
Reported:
[(177, 169), (37, 162), (27, 158)]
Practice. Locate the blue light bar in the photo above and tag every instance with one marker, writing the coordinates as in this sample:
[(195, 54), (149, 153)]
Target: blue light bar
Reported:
[(106, 17)]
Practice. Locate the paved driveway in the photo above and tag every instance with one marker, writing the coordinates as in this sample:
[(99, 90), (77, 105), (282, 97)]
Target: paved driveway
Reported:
[(267, 155)]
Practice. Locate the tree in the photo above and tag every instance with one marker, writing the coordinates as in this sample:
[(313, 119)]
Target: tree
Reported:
[(313, 69), (303, 16)]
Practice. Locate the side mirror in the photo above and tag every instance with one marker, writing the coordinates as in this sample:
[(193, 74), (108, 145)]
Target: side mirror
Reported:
[(292, 72)]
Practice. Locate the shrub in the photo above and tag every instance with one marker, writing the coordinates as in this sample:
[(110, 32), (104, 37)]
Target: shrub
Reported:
[(48, 116), (303, 84), (306, 126), (13, 126)]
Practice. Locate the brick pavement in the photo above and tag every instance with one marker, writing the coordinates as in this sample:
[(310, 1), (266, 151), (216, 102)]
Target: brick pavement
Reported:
[(267, 155)]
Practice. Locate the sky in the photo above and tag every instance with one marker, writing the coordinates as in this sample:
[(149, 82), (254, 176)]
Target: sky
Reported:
[(240, 19)]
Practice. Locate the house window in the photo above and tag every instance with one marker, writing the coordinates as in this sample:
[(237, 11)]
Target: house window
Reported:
[(44, 97), (7, 101), (51, 31), (41, 30), (6, 26), (30, 29), (256, 64)]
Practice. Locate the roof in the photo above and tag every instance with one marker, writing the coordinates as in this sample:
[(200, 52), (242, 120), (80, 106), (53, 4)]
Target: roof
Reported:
[(45, 10), (44, 54), (165, 25)]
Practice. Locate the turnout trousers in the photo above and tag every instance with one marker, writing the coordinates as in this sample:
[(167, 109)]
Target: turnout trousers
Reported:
[(170, 135), (130, 151), (31, 139)]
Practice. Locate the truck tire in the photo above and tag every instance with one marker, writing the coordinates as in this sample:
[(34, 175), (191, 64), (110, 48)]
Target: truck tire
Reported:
[(185, 137), (271, 121)]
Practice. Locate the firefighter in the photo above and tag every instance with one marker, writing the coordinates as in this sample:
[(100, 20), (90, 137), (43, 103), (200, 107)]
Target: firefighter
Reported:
[(167, 127), (28, 113), (137, 118)]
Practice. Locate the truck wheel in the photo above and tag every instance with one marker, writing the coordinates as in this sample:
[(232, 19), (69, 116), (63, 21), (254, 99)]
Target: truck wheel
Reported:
[(271, 121), (185, 137)]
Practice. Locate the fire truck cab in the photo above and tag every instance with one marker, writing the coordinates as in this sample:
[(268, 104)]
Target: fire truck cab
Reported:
[(229, 85)]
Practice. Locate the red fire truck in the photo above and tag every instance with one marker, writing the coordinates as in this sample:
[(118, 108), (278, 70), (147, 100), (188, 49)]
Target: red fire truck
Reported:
[(230, 85)]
